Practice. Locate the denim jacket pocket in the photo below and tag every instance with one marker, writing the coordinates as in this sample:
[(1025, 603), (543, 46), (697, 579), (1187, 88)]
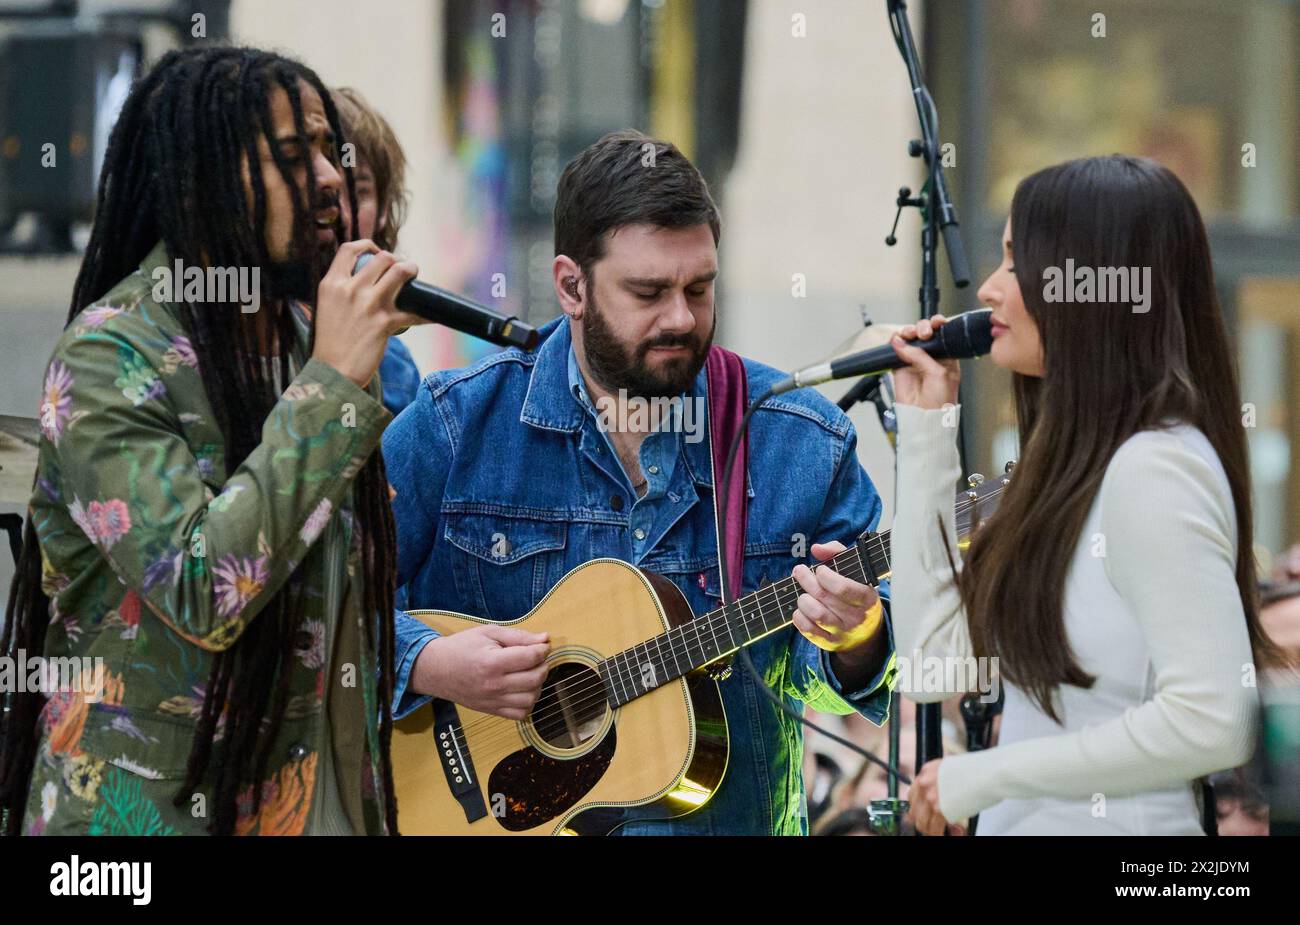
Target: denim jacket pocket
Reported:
[(504, 565)]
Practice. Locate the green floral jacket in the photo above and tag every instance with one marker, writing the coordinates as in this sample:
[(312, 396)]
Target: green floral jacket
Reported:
[(156, 557)]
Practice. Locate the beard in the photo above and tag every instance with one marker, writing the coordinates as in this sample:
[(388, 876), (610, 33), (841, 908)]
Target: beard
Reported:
[(616, 366), (294, 279), (299, 274)]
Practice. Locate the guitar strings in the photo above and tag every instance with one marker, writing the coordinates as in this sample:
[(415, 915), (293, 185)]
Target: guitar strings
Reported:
[(598, 688), (592, 691), (597, 691)]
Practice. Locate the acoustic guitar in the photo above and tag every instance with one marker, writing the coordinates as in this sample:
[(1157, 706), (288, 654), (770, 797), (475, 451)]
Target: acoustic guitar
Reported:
[(628, 726)]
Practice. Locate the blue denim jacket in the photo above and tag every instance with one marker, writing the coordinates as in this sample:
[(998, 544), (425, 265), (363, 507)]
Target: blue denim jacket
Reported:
[(398, 376), (505, 447)]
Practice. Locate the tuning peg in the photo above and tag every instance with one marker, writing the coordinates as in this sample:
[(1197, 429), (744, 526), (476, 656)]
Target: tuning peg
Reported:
[(1011, 464), (975, 480)]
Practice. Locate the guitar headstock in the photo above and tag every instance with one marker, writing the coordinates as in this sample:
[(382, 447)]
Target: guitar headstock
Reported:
[(977, 503), (974, 506)]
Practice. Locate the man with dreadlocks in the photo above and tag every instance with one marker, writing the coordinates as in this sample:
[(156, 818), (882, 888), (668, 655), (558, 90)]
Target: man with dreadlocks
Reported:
[(209, 517)]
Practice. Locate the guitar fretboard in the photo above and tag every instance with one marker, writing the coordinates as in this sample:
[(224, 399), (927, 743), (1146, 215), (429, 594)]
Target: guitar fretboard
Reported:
[(636, 671), (640, 669)]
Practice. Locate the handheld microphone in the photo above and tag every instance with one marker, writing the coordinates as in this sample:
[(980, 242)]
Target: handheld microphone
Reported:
[(967, 335), (457, 312)]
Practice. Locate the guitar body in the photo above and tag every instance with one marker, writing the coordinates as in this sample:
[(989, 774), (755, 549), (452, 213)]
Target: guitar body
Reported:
[(574, 765)]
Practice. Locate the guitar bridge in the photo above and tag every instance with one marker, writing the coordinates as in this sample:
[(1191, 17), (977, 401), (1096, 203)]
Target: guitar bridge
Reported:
[(456, 762)]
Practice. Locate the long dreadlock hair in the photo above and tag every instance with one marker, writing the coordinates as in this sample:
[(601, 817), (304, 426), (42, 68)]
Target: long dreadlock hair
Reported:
[(172, 172)]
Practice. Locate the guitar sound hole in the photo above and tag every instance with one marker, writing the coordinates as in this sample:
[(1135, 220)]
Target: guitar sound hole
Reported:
[(571, 707)]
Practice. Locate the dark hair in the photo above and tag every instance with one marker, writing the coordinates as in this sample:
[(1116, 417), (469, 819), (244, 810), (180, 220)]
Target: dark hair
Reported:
[(378, 148), (172, 173), (1109, 374), (627, 178), (1233, 787)]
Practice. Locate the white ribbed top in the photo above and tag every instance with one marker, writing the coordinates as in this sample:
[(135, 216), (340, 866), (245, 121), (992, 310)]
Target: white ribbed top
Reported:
[(1151, 609)]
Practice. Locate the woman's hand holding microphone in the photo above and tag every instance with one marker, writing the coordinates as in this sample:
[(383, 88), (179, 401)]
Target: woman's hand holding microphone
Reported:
[(925, 382)]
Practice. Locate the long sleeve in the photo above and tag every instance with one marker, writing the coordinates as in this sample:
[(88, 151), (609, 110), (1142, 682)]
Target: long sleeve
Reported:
[(205, 565), (926, 607), (412, 636), (852, 506), (417, 454), (1170, 554)]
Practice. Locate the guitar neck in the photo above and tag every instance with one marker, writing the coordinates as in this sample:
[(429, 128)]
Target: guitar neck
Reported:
[(719, 633), (640, 669)]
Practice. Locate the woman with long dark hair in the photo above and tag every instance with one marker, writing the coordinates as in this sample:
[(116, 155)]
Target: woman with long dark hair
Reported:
[(210, 526), (1115, 584)]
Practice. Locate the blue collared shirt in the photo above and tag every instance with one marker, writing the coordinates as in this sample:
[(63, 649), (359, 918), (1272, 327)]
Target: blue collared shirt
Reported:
[(655, 512), (506, 481)]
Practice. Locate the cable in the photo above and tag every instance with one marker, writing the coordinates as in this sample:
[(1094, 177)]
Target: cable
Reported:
[(726, 599)]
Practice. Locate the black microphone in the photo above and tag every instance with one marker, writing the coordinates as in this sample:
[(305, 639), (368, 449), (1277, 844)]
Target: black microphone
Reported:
[(960, 338), (453, 311)]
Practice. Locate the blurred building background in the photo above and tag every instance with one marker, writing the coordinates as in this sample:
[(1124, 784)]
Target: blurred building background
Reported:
[(798, 113), (1209, 89)]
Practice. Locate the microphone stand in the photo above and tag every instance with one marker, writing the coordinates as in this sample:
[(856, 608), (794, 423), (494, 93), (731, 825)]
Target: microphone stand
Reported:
[(934, 202), (939, 213), (978, 715), (885, 817), (939, 217)]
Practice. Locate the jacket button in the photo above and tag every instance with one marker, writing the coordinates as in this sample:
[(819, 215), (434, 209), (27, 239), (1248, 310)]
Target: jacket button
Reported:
[(616, 502), (297, 752)]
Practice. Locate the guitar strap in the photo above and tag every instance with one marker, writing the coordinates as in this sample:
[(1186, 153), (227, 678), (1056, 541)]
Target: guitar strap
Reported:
[(728, 399)]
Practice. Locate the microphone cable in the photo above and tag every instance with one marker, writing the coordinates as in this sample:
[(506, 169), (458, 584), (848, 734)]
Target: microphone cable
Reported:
[(748, 663)]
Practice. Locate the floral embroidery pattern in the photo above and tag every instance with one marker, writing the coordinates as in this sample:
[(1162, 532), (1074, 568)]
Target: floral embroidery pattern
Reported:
[(238, 581), (180, 353), (180, 705), (286, 799), (95, 316), (49, 800), (56, 403), (104, 522), (221, 503), (53, 583), (316, 521), (82, 775), (123, 808), (165, 568), (64, 716), (313, 655), (121, 571), (128, 614), (297, 391), (138, 382)]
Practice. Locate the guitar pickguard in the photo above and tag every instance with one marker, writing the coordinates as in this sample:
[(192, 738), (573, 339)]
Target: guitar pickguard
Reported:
[(537, 788)]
